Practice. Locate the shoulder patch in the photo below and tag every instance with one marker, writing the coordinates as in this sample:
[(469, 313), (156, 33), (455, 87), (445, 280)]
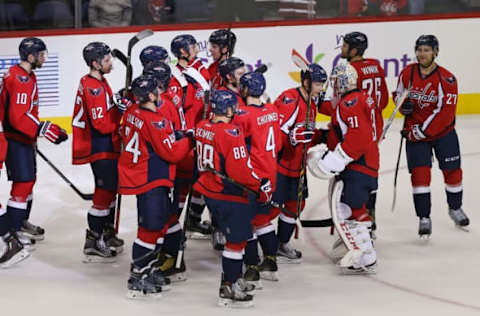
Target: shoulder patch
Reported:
[(450, 80), (241, 112), (159, 125), (95, 92), (287, 100), (234, 132), (199, 94), (350, 103), (23, 79)]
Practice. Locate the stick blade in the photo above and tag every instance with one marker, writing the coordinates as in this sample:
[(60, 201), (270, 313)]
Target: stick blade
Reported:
[(299, 61), (143, 34)]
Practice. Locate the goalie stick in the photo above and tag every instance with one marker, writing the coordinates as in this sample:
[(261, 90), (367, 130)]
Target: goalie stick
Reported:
[(85, 196)]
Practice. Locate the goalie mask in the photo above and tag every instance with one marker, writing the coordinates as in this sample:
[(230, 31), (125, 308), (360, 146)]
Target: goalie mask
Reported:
[(343, 79)]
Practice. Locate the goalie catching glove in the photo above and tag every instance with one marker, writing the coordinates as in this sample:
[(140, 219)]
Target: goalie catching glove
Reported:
[(325, 163), (52, 132)]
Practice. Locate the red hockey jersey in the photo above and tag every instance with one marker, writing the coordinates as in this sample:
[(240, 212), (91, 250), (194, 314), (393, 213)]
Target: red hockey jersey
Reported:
[(150, 152), (169, 111), (19, 96), (371, 79), (292, 109), (260, 126), (95, 123), (434, 98), (353, 127), (216, 80), (3, 140), (221, 146)]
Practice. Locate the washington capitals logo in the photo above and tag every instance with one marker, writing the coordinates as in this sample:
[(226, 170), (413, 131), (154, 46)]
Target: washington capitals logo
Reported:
[(95, 92), (240, 112), (234, 132), (350, 103), (159, 125), (23, 79), (287, 100), (450, 80), (423, 98)]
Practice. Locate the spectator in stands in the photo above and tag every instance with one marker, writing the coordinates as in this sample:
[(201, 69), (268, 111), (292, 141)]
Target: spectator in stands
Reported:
[(416, 6), (105, 13), (386, 7), (153, 12)]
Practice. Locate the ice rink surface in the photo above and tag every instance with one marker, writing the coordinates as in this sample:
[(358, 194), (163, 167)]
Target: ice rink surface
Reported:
[(414, 277)]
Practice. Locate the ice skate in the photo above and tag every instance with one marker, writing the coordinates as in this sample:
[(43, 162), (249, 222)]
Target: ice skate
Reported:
[(252, 276), (459, 218), (166, 264), (13, 252), (287, 254), (32, 231), (231, 295), (27, 242), (112, 241), (425, 228), (269, 268), (196, 229), (95, 249), (142, 284)]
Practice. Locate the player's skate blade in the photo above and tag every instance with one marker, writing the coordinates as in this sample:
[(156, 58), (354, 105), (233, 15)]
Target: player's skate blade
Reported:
[(370, 269), (424, 228), (12, 253), (27, 242), (232, 296), (33, 231), (287, 254), (459, 218)]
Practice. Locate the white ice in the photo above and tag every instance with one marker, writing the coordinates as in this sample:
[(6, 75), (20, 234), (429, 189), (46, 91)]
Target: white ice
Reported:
[(438, 277)]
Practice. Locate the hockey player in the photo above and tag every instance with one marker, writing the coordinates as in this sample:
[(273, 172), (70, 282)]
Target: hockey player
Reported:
[(222, 44), (221, 149), (231, 70), (259, 123), (146, 169), (95, 124), (352, 156), (19, 96), (371, 79), (430, 126), (292, 108), (13, 251), (189, 97)]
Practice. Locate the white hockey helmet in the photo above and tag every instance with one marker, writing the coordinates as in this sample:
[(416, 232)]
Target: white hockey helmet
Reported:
[(344, 78)]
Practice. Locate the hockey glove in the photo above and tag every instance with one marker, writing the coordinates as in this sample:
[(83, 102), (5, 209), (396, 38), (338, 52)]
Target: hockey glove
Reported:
[(414, 134), (121, 103), (300, 134), (325, 164), (190, 133), (407, 107), (52, 132), (265, 194)]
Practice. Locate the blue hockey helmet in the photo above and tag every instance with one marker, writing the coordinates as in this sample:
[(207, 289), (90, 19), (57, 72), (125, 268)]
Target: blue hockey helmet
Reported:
[(254, 82), (356, 40), (429, 40), (315, 72), (221, 100), (31, 45), (152, 53), (95, 51), (160, 71), (142, 86), (181, 41)]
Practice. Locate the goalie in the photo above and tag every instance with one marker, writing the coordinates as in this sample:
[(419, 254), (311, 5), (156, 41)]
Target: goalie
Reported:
[(351, 164)]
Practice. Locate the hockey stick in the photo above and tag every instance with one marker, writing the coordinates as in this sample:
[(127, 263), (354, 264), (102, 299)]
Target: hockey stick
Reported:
[(398, 104), (120, 56), (302, 63), (85, 196), (128, 80), (396, 170)]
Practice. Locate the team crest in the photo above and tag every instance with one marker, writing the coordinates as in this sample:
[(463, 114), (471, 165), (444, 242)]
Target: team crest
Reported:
[(159, 125), (450, 80), (95, 92), (199, 94), (287, 100), (234, 132), (23, 79), (176, 100), (352, 102), (370, 101), (241, 112)]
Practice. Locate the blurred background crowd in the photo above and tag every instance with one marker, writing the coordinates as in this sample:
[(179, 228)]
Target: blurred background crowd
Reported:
[(42, 14)]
